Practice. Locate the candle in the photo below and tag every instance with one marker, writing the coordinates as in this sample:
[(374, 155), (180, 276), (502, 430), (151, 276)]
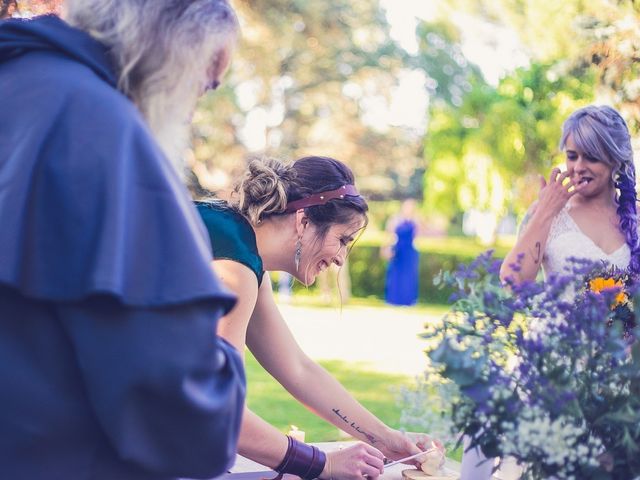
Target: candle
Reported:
[(296, 434)]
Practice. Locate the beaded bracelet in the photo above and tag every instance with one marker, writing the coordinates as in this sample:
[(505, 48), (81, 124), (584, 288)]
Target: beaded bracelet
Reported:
[(305, 461)]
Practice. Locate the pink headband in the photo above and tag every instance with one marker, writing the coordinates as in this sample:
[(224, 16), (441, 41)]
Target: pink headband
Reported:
[(322, 198)]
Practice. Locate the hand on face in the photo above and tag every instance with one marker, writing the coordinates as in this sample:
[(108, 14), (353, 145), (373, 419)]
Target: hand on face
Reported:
[(555, 193)]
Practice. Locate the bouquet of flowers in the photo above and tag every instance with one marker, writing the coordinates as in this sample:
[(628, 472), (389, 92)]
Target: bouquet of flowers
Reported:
[(542, 372), (609, 278)]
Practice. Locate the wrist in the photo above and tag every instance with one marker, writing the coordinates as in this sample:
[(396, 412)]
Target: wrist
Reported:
[(380, 436), (385, 432), (327, 473), (305, 461)]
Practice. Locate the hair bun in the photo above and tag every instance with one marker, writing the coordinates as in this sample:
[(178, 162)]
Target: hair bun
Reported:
[(263, 188)]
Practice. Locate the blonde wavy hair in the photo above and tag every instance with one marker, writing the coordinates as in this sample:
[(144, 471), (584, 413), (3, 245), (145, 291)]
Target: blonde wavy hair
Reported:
[(162, 50), (262, 190)]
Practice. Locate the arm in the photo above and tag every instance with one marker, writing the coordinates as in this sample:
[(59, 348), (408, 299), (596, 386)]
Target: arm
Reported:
[(526, 255), (523, 261), (167, 392), (259, 440), (271, 341)]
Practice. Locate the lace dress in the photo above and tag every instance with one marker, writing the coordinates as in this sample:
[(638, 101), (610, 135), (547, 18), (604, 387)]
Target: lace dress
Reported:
[(567, 240)]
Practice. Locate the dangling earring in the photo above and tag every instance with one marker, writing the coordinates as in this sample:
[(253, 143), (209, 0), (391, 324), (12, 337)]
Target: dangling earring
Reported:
[(298, 254)]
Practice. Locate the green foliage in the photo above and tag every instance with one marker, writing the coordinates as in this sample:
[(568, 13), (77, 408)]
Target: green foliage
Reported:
[(602, 34), (543, 372), (487, 153), (368, 269), (440, 57), (308, 69), (312, 71)]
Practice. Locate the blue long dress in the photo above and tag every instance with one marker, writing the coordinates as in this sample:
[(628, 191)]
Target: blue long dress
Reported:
[(401, 287)]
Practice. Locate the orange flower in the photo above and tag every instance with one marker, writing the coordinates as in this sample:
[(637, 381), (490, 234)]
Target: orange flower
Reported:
[(600, 284)]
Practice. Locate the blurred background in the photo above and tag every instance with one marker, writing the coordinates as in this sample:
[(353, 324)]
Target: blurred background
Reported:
[(456, 104)]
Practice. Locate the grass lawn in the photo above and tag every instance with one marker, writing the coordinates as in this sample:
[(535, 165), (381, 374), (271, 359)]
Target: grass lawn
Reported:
[(376, 391)]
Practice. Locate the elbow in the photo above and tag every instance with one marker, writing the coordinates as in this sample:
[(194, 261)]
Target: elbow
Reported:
[(217, 458), (214, 453), (192, 431), (199, 441)]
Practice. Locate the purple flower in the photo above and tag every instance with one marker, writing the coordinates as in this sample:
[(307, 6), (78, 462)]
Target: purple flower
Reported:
[(544, 346)]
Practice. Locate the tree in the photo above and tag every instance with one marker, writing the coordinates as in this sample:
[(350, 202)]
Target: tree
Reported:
[(613, 33), (301, 84), (487, 153), (309, 76), (440, 57), (599, 34)]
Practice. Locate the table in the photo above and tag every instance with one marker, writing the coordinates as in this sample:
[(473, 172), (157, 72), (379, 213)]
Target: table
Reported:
[(245, 469)]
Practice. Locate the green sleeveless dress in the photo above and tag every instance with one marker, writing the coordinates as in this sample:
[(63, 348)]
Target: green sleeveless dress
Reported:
[(231, 235)]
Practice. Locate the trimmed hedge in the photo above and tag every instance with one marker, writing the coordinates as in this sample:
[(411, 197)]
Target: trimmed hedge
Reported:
[(368, 269)]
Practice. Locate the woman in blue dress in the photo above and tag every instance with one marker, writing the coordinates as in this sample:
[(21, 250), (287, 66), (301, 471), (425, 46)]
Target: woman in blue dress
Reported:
[(401, 286), (300, 219)]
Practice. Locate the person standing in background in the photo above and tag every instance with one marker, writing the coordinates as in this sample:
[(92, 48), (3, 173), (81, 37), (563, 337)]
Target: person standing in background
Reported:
[(109, 360), (401, 284)]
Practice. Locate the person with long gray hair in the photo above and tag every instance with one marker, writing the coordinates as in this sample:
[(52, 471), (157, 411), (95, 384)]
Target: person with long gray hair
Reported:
[(7, 7), (587, 211), (159, 50), (110, 364)]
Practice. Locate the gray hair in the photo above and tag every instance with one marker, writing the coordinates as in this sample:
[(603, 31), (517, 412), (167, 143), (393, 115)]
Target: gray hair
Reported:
[(600, 132), (162, 50)]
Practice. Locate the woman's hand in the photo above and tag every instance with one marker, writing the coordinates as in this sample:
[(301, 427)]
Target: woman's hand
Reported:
[(399, 445), (353, 463), (523, 262), (555, 194)]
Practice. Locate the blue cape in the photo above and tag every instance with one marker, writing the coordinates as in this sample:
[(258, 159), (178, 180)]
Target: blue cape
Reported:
[(86, 206), (110, 364)]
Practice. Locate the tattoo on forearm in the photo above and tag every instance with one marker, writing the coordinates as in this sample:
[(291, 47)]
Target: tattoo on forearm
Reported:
[(536, 254), (353, 425)]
